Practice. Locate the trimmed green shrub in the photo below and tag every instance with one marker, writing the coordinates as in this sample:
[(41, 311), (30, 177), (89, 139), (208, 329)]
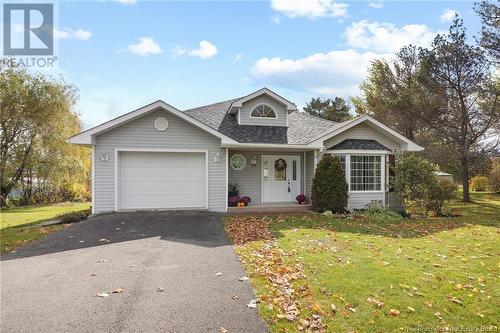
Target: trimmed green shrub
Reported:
[(329, 188), (479, 183), (74, 216)]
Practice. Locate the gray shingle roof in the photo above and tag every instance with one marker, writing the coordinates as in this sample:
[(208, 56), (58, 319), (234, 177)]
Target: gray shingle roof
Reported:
[(302, 128), (359, 144)]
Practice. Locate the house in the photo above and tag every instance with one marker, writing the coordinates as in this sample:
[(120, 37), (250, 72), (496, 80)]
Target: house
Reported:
[(443, 176), (158, 157)]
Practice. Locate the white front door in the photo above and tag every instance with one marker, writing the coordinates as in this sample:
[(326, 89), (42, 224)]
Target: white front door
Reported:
[(280, 178)]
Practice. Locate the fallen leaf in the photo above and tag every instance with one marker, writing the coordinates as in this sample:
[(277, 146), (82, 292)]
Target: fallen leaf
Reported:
[(375, 301), (394, 312), (222, 330), (117, 291), (455, 300)]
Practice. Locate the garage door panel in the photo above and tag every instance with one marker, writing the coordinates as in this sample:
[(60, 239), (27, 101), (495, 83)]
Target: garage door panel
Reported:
[(162, 180), (160, 187)]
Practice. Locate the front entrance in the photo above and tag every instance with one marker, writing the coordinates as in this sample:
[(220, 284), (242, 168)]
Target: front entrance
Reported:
[(280, 178)]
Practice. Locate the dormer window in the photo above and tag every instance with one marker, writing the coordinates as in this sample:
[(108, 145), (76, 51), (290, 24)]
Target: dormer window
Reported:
[(263, 111)]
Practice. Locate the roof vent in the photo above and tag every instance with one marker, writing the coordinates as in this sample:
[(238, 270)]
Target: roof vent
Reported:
[(161, 123)]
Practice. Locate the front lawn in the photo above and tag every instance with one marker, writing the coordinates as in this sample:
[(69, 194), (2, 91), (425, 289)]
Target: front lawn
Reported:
[(18, 225), (375, 273), (17, 216)]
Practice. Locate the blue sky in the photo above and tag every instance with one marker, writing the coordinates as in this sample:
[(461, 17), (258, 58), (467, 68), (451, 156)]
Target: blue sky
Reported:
[(124, 54)]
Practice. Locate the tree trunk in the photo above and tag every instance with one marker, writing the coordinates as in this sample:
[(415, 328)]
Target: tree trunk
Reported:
[(465, 179)]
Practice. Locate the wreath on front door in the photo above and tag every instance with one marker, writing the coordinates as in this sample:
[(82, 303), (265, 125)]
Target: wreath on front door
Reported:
[(280, 165)]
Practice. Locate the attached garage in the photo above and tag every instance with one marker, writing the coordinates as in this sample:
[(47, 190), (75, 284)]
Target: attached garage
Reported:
[(161, 180)]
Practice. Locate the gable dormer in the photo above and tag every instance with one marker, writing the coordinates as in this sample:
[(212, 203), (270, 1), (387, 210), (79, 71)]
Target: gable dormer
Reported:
[(262, 108)]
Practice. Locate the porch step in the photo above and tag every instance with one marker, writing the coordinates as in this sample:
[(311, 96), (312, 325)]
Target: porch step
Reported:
[(264, 209)]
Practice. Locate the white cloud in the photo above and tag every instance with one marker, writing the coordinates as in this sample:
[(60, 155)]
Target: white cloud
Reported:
[(127, 2), (448, 15), (205, 50), (386, 37), (145, 47), (376, 5), (336, 73), (68, 33), (310, 8), (236, 57)]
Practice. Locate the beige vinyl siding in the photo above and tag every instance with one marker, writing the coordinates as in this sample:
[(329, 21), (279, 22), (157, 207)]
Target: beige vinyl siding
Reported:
[(140, 133), (247, 107), (360, 200), (363, 131)]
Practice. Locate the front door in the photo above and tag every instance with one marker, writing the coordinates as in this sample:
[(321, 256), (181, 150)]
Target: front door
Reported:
[(280, 178)]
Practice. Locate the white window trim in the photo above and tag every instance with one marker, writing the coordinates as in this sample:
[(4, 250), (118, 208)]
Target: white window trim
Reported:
[(231, 161), (348, 170), (264, 104), (155, 150)]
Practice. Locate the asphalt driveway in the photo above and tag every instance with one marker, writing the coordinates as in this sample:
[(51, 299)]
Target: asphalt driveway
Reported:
[(52, 285)]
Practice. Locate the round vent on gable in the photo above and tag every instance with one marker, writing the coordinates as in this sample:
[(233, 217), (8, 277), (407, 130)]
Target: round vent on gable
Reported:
[(161, 123)]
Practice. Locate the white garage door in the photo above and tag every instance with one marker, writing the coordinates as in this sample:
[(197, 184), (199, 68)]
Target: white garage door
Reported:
[(161, 180)]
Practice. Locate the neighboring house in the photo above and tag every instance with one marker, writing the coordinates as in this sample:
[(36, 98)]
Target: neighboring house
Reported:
[(443, 176), (158, 157)]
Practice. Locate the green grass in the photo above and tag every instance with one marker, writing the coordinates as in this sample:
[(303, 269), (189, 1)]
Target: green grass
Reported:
[(437, 272), (15, 237), (18, 225), (18, 216)]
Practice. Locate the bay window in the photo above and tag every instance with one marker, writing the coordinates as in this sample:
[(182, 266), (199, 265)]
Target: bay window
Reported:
[(366, 173), (363, 172)]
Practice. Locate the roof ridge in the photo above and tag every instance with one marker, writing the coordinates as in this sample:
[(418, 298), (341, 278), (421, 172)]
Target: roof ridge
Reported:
[(211, 104), (316, 117)]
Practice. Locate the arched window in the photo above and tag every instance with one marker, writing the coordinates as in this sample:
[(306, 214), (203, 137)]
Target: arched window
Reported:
[(263, 111)]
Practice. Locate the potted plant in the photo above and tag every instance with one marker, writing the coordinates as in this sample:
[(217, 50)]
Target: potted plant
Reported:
[(246, 200), (301, 199), (233, 200), (233, 190)]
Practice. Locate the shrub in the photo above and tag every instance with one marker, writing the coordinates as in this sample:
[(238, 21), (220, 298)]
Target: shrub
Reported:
[(73, 217), (381, 215), (495, 175), (329, 188), (233, 190), (418, 187), (301, 198), (439, 192), (479, 183)]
